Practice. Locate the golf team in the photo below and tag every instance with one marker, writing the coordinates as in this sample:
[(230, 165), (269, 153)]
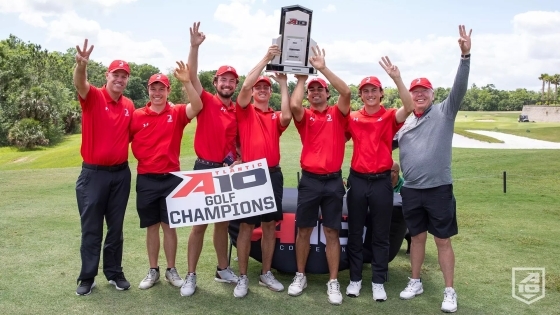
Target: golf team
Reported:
[(230, 132)]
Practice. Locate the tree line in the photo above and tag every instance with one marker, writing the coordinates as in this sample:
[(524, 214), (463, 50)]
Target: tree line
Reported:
[(39, 104)]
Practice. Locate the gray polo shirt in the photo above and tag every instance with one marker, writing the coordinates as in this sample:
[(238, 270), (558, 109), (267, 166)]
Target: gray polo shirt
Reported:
[(425, 142)]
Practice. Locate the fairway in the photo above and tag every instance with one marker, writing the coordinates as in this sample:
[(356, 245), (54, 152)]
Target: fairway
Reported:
[(40, 238)]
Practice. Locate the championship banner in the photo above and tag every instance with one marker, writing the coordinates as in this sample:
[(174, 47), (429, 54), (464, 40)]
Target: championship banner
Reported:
[(221, 194)]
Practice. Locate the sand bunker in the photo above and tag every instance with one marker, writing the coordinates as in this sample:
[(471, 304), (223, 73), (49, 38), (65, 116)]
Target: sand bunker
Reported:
[(510, 141)]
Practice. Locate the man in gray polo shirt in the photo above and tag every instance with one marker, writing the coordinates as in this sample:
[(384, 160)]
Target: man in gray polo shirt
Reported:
[(427, 193)]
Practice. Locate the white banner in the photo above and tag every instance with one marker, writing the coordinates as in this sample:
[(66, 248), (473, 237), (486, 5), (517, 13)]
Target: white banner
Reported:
[(221, 194)]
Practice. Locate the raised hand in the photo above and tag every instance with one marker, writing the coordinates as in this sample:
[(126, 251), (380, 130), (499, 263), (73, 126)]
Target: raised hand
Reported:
[(82, 56), (318, 60), (273, 51), (182, 72), (196, 37), (391, 69), (301, 77), (280, 77), (464, 40)]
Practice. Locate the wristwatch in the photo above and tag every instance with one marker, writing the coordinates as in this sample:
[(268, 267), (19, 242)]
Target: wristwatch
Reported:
[(467, 56)]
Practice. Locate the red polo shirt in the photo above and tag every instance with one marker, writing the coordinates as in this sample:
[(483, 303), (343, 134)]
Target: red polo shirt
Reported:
[(259, 133), (373, 138), (216, 129), (156, 138), (105, 126), (323, 139)]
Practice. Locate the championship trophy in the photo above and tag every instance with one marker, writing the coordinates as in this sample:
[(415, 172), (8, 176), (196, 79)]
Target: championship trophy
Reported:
[(294, 42)]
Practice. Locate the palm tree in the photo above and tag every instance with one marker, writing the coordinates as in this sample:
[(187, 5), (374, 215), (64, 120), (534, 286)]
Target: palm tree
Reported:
[(542, 78), (548, 80), (556, 81)]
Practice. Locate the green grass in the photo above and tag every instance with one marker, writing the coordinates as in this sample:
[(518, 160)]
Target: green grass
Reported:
[(40, 238)]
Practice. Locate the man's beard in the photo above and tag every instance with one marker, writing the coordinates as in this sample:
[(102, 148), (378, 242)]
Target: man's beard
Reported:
[(224, 95)]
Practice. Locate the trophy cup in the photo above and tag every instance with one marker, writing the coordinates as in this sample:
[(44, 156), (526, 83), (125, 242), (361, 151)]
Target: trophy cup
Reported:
[(294, 42)]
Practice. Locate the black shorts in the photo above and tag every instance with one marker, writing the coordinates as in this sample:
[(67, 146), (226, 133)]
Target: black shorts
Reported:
[(151, 191), (324, 192), (277, 181), (431, 209)]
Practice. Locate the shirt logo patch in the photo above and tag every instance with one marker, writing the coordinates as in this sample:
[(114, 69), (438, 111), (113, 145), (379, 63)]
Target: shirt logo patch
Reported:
[(145, 125), (126, 112), (274, 116), (329, 118), (169, 118), (380, 119), (106, 108), (312, 118), (223, 109), (355, 119)]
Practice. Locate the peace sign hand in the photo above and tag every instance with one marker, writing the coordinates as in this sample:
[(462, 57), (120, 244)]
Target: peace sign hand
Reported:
[(464, 40), (318, 60), (196, 37), (182, 72), (391, 69), (82, 56)]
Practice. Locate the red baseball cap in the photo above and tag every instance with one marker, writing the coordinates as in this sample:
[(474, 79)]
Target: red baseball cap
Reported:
[(119, 65), (423, 82), (263, 78), (225, 69), (159, 77), (320, 81), (370, 80)]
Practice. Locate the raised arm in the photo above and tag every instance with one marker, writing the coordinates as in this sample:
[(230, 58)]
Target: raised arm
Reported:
[(244, 97), (286, 114), (182, 74), (452, 104), (80, 71), (406, 98), (196, 39), (318, 62), (296, 105)]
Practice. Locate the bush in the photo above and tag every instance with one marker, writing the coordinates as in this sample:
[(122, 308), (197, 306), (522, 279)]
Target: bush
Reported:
[(27, 134)]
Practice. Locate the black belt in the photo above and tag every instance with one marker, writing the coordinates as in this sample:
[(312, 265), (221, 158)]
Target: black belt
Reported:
[(274, 169), (371, 176), (112, 168), (322, 176), (157, 176), (209, 163)]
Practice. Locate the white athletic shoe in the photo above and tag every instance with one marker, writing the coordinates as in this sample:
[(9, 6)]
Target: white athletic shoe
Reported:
[(189, 286), (226, 276), (297, 286), (172, 276), (449, 304), (353, 289), (413, 288), (333, 292), (151, 278), (378, 292), (242, 287), (268, 280)]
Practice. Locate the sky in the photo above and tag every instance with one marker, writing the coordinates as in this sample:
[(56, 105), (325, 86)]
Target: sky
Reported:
[(513, 42)]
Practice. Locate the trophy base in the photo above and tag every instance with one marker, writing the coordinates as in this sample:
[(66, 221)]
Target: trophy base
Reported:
[(291, 69)]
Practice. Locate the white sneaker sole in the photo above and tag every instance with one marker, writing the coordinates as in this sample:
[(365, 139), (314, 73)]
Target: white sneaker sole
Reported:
[(352, 295), (225, 281), (269, 287), (240, 296), (415, 295), (334, 302), (90, 289), (145, 287), (380, 300), (188, 294)]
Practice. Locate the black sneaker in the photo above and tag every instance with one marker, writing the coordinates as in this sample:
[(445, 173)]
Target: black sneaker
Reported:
[(120, 282), (85, 286)]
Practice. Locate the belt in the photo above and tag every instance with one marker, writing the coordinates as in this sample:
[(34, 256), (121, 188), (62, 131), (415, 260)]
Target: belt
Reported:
[(322, 176), (371, 176), (157, 176), (112, 168), (274, 169), (209, 163)]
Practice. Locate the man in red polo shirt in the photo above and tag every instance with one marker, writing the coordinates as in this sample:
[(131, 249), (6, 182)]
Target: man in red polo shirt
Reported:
[(156, 132), (322, 131), (215, 146), (372, 129), (260, 128), (103, 187)]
